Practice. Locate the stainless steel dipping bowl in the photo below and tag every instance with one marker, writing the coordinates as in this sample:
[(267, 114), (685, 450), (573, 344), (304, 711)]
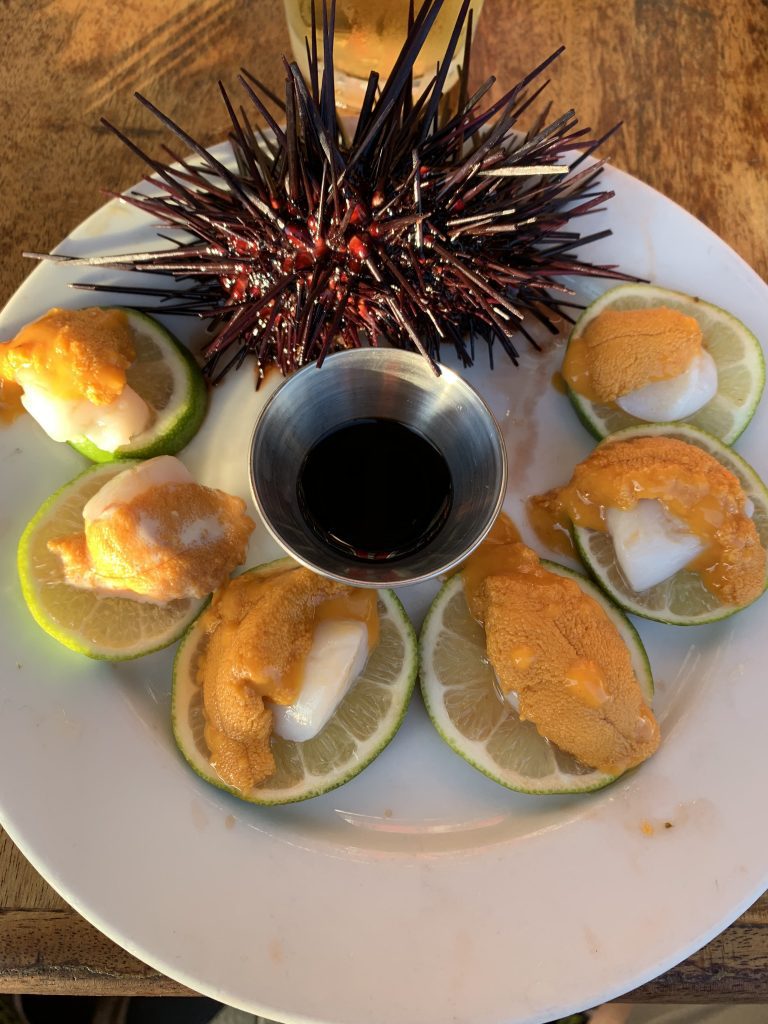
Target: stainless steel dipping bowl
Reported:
[(391, 384)]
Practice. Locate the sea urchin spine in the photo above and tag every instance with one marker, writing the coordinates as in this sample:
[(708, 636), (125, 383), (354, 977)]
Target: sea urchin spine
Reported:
[(425, 229)]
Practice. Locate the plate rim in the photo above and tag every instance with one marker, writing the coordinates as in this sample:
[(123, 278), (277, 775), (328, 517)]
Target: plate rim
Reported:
[(177, 972)]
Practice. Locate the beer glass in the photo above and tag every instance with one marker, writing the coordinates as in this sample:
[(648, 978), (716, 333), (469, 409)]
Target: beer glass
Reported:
[(368, 36)]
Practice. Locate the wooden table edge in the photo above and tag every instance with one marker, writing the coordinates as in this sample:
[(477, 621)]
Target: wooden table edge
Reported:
[(51, 962)]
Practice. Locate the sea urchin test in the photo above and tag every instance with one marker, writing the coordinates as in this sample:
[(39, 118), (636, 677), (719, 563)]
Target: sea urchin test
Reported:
[(649, 362), (152, 534), (71, 365)]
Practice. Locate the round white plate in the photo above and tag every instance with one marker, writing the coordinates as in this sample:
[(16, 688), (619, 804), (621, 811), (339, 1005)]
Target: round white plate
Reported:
[(421, 891)]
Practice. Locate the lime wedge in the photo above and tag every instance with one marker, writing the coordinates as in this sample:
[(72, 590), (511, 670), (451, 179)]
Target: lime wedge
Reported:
[(682, 600), (362, 726), (169, 380), (110, 628), (466, 708), (734, 348)]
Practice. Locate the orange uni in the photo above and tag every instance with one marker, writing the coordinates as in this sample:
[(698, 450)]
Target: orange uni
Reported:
[(555, 647), (10, 400), (171, 541), (73, 353), (550, 522), (623, 350), (259, 633), (693, 486)]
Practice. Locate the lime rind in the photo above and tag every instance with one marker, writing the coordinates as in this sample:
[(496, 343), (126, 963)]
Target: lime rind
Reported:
[(179, 420), (735, 349), (566, 775), (682, 600), (300, 775), (146, 628)]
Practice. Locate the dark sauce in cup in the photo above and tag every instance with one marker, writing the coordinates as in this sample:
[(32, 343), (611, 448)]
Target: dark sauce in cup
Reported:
[(375, 490)]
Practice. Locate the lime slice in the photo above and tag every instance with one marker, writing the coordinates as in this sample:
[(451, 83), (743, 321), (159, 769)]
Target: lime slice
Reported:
[(735, 349), (466, 708), (111, 628), (169, 380), (682, 600), (362, 726)]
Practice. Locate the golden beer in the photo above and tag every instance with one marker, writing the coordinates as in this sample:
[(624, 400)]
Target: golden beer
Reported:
[(369, 35)]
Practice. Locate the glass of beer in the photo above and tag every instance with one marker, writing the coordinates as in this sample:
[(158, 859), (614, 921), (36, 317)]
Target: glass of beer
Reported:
[(369, 35)]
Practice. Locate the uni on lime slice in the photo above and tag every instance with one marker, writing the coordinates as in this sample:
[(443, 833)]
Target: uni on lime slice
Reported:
[(734, 348), (109, 628), (458, 686), (169, 380), (361, 727), (681, 600)]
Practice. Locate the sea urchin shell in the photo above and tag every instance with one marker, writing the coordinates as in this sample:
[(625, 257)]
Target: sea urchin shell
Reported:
[(424, 229)]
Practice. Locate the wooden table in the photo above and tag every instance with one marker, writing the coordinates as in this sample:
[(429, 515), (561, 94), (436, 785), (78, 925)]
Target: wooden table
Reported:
[(687, 78)]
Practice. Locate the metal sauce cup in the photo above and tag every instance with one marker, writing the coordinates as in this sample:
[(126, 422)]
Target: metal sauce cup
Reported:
[(389, 384)]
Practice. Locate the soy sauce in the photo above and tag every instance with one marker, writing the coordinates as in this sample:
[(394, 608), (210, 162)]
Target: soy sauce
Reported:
[(375, 490)]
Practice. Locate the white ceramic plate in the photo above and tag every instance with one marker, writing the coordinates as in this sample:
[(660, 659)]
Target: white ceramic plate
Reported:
[(421, 891)]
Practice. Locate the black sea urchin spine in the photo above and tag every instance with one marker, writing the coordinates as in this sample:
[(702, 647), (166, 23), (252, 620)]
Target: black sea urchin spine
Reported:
[(425, 230)]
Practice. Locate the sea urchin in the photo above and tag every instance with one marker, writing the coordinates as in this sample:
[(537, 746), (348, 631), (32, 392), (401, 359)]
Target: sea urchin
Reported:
[(425, 228)]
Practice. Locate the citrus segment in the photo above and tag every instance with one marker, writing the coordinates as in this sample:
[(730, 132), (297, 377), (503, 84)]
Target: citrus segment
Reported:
[(735, 349), (362, 726), (468, 710), (111, 628), (681, 600), (169, 380)]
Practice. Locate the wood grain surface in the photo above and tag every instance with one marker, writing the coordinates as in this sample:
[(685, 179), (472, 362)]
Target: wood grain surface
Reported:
[(687, 78)]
